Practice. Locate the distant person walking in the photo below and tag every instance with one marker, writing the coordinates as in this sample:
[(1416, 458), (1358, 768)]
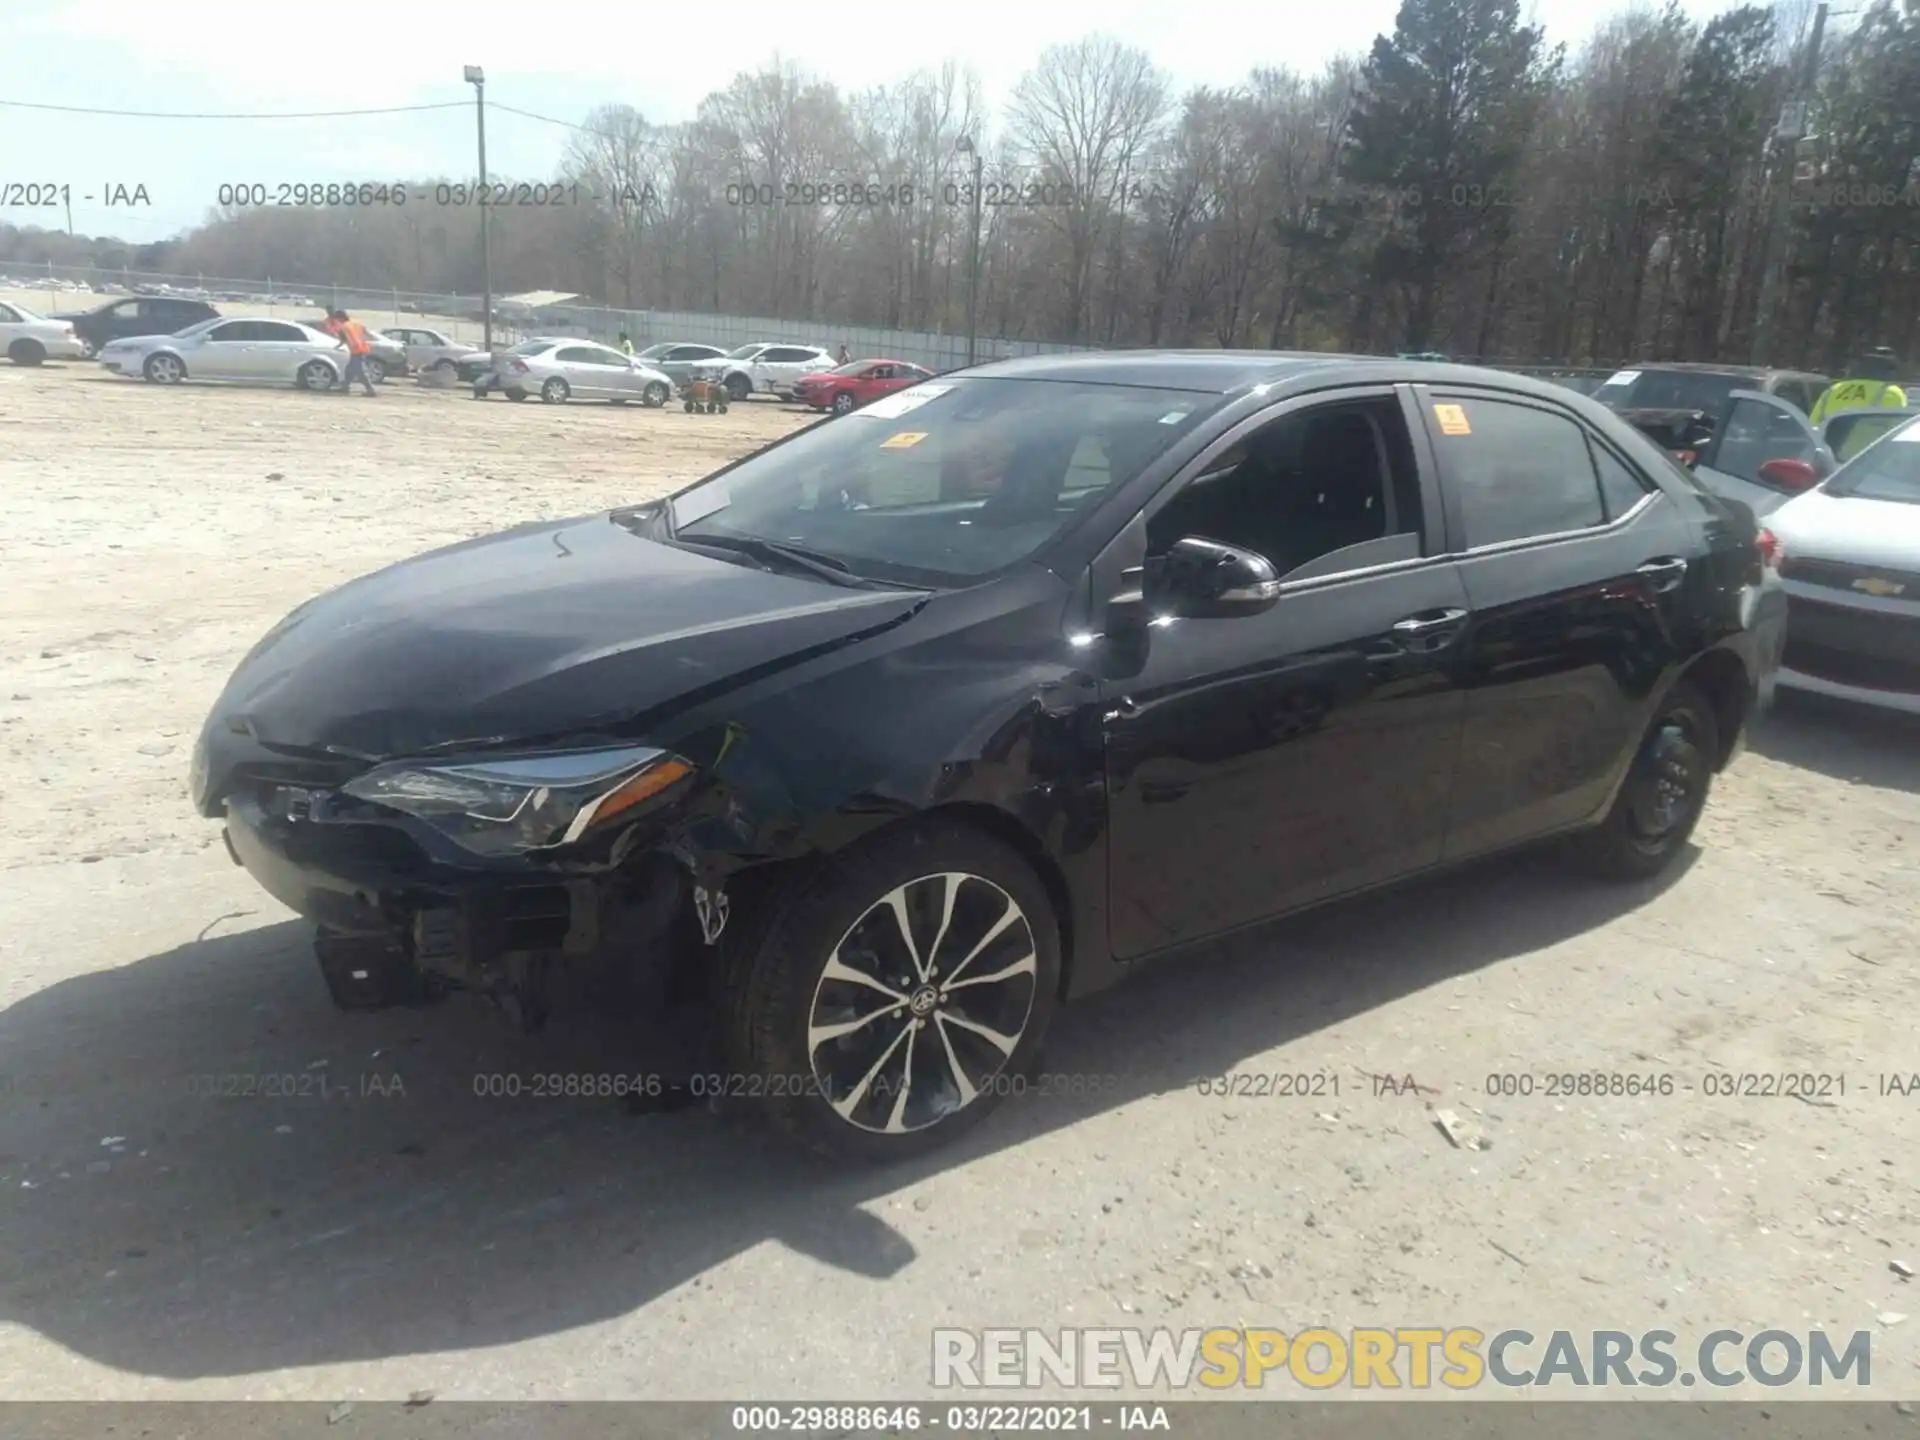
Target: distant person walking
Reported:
[(626, 345), (354, 335), (1868, 384), (844, 357)]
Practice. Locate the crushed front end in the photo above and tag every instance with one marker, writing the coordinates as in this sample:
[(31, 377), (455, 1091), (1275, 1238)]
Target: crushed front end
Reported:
[(519, 876)]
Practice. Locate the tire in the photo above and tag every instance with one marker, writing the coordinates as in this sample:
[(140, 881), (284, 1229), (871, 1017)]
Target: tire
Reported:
[(1665, 791), (654, 396), (851, 1095), (314, 375), (26, 352), (689, 407), (164, 369), (738, 388), (720, 406), (445, 367), (516, 395), (88, 349), (376, 370), (843, 403), (556, 391)]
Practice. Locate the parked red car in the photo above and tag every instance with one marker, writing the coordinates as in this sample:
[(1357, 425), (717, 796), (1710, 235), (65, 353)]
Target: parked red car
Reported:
[(857, 383)]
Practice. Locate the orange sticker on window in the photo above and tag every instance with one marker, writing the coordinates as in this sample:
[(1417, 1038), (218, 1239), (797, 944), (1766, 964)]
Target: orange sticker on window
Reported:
[(1453, 420), (903, 440)]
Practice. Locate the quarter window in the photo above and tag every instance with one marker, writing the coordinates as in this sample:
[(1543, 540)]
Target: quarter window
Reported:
[(1516, 471), (1620, 486)]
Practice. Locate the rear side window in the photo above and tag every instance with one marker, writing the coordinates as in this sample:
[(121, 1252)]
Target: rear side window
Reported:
[(1516, 471), (268, 330)]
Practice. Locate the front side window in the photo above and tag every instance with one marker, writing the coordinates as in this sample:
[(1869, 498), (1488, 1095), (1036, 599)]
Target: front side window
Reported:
[(943, 484), (1517, 471), (229, 334), (8, 315), (1302, 487)]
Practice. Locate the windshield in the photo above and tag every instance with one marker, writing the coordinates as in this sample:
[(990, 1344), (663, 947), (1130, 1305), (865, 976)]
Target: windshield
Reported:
[(199, 326), (1848, 435), (23, 312), (744, 351), (530, 347), (852, 367), (943, 483), (1671, 390), (1884, 471)]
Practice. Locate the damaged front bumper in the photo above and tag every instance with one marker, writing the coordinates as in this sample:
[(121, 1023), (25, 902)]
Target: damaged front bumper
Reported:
[(403, 913)]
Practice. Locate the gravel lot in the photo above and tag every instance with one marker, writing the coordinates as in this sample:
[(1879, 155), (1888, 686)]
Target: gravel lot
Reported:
[(409, 1236)]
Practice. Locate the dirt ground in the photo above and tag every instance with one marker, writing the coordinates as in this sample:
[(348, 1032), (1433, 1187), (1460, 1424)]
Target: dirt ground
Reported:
[(361, 1241)]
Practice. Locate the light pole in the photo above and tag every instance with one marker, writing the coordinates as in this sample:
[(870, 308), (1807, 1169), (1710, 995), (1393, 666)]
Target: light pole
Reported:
[(477, 78), (1779, 237), (967, 147)]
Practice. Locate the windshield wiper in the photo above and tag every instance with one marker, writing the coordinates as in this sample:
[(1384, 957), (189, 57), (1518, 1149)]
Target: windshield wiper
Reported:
[(793, 557)]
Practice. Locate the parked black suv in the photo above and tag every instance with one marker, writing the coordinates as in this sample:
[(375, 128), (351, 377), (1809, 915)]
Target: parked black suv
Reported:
[(892, 736), (137, 315)]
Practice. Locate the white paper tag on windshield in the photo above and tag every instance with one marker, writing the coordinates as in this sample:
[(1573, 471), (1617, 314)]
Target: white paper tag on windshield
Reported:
[(892, 407), (1623, 377)]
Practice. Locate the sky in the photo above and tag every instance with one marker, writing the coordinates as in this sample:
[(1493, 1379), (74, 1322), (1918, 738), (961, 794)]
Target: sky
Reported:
[(259, 58)]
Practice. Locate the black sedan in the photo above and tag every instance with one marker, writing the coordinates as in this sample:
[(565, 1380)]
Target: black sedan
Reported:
[(890, 737)]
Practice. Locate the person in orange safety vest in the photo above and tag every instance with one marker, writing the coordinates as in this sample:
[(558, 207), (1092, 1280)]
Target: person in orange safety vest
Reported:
[(354, 335)]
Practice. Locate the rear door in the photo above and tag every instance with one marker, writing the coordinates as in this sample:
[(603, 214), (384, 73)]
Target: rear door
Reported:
[(1578, 571), (280, 350), (1758, 428)]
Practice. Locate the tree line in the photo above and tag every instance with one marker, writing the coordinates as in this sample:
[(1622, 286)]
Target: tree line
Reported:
[(1468, 186)]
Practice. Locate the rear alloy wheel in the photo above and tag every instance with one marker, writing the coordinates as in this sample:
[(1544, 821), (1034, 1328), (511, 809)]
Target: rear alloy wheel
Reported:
[(164, 369), (654, 396), (1664, 793), (843, 403), (739, 387), (555, 391), (376, 370), (892, 998), (314, 375), (26, 352)]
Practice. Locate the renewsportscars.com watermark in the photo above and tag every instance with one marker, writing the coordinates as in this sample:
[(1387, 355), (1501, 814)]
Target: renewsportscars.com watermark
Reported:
[(1403, 1358)]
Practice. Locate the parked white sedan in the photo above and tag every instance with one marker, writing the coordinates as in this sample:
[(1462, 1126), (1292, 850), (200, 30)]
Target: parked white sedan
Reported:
[(1852, 572), (557, 369), (432, 349), (28, 338), (244, 349)]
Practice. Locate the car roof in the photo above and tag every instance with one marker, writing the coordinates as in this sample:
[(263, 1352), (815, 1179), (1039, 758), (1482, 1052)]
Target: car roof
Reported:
[(1707, 367)]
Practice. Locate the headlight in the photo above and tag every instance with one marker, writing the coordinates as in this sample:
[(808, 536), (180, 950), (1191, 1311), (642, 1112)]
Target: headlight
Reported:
[(507, 807)]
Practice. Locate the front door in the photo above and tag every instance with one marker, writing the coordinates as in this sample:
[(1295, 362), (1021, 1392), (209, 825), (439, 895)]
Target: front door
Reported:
[(1580, 574), (1758, 428), (226, 352), (1267, 762)]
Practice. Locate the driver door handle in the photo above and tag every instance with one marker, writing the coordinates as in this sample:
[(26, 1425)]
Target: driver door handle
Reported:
[(1426, 624), (1666, 572)]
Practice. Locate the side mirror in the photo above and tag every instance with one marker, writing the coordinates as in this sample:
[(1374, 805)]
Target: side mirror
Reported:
[(1789, 475), (1204, 580)]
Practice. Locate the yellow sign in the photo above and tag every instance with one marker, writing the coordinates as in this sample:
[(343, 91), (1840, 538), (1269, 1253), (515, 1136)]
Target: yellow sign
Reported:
[(903, 440), (1453, 419)]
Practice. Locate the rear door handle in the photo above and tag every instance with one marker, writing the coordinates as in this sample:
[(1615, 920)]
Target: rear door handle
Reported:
[(1666, 572)]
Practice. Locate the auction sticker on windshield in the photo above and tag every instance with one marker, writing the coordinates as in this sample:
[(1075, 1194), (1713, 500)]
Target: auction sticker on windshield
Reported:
[(892, 407), (903, 440), (1623, 377)]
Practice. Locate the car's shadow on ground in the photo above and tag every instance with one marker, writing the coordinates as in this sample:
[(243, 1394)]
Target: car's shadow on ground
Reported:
[(1842, 741), (170, 1233)]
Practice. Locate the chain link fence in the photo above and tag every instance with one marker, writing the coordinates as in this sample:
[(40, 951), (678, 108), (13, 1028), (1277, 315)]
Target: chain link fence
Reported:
[(50, 287)]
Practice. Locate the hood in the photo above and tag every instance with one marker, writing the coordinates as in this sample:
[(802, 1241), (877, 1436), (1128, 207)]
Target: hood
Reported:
[(547, 629), (1847, 528), (142, 342)]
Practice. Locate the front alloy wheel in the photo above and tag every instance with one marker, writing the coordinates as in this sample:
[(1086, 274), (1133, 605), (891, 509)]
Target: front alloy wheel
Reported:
[(899, 994)]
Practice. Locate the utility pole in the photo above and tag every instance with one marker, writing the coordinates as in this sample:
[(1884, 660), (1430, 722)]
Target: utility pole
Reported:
[(477, 78), (967, 147), (1787, 135)]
